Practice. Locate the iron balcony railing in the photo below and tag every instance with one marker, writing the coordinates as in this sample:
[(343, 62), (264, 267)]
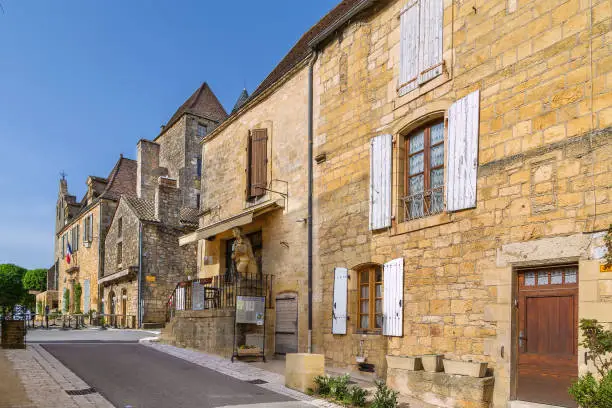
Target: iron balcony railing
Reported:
[(218, 292), (424, 203)]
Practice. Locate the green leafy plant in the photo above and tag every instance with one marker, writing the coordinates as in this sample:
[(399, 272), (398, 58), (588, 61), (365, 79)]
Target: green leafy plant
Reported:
[(12, 291), (35, 279), (357, 396), (588, 391), (608, 243), (339, 387), (322, 385), (66, 300), (39, 308), (78, 291), (384, 396)]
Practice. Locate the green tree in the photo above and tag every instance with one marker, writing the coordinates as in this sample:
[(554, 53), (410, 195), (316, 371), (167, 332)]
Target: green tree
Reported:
[(78, 290), (35, 279), (11, 287)]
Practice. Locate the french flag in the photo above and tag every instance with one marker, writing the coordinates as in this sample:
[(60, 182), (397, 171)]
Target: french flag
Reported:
[(68, 254)]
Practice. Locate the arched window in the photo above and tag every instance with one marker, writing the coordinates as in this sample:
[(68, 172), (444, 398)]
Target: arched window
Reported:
[(424, 171)]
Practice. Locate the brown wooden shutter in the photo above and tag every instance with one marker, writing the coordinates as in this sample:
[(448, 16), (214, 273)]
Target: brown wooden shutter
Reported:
[(247, 170), (259, 161)]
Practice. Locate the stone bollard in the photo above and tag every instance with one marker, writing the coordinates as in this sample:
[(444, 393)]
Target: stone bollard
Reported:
[(302, 368)]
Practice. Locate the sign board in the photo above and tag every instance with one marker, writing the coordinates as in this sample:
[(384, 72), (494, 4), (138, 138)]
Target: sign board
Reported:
[(605, 268), (150, 278), (250, 309), (197, 296)]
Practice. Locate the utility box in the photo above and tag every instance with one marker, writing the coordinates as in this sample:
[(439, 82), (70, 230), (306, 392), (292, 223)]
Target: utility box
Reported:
[(13, 334)]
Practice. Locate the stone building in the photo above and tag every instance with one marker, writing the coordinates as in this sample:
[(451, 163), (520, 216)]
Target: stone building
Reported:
[(464, 191), (83, 225), (143, 261)]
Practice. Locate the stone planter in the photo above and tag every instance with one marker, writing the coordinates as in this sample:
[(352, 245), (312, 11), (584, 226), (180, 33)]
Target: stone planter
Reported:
[(432, 362), (255, 351), (405, 363), (469, 368)]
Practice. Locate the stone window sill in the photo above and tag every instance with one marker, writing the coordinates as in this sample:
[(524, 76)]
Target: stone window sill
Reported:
[(369, 332), (423, 89), (421, 223)]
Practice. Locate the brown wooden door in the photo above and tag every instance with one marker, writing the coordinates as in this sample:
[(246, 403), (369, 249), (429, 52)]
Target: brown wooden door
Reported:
[(547, 335), (286, 328)]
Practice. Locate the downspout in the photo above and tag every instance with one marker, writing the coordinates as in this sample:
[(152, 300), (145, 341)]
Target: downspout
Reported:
[(100, 259), (310, 191), (140, 306)]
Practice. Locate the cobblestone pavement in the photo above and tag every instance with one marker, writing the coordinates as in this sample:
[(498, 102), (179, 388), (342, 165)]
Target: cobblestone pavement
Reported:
[(238, 370), (46, 381)]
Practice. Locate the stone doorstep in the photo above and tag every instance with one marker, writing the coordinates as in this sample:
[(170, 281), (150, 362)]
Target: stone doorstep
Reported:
[(527, 404)]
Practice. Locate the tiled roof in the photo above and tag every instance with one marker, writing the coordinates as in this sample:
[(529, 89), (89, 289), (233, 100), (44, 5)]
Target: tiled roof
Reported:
[(301, 49), (203, 103), (122, 179), (189, 216), (244, 95), (144, 209)]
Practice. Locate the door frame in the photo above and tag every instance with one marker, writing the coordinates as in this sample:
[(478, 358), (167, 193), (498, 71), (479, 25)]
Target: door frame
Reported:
[(514, 324), (284, 296)]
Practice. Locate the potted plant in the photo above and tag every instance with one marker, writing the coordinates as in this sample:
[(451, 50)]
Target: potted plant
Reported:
[(248, 350)]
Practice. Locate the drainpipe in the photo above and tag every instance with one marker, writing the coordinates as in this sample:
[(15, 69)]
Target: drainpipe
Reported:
[(310, 191), (140, 308)]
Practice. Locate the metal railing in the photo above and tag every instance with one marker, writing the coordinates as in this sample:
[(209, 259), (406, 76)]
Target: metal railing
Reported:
[(218, 292), (425, 203), (119, 321)]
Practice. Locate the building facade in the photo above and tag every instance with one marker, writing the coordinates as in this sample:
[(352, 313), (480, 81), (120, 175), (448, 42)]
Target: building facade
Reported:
[(143, 261), (465, 192), (82, 226)]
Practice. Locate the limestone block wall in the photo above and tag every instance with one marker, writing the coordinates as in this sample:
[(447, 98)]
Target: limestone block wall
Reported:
[(128, 238), (543, 70)]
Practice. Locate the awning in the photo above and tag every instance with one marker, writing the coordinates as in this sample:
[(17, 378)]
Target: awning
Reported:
[(243, 218), (120, 274)]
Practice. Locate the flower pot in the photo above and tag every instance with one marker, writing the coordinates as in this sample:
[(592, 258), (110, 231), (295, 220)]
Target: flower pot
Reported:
[(360, 359), (249, 351), (405, 363), (469, 368), (432, 362)]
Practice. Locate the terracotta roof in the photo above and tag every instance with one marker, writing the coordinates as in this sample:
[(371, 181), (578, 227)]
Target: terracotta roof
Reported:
[(121, 180), (203, 103), (301, 49)]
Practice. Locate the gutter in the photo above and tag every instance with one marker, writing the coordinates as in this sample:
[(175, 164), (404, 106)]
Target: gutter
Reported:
[(315, 55), (140, 306)]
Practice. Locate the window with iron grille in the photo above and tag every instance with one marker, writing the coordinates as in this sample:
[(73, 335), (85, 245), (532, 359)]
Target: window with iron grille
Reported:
[(424, 171), (370, 302)]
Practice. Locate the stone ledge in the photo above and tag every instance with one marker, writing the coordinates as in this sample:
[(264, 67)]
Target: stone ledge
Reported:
[(442, 389)]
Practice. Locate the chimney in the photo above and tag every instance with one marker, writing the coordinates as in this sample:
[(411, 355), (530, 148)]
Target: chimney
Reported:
[(147, 169), (167, 201)]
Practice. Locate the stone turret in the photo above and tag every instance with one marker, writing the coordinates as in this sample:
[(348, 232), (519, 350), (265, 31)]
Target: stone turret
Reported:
[(148, 170)]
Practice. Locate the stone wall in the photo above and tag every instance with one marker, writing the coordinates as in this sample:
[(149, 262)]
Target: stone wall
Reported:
[(129, 239), (211, 331), (543, 70)]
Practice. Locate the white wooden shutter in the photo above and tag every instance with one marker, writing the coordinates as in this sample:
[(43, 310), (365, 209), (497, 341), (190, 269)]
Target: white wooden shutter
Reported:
[(463, 121), (340, 301), (430, 40), (409, 47), (180, 298), (393, 297), (86, 296), (380, 182)]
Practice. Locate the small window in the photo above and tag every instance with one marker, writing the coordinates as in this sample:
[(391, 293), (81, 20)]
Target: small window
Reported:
[(202, 130), (199, 167), (370, 302), (198, 201), (119, 253), (120, 227), (424, 172)]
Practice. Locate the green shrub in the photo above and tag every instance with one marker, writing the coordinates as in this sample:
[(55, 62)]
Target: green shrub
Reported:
[(384, 396), (322, 384), (588, 391), (66, 304), (78, 290), (39, 308), (357, 396), (339, 386)]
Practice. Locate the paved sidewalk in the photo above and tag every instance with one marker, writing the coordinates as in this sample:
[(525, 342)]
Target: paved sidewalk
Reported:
[(239, 370), (12, 393), (46, 381)]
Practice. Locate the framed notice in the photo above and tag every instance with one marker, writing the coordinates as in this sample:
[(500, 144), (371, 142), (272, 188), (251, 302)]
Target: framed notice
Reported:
[(250, 309)]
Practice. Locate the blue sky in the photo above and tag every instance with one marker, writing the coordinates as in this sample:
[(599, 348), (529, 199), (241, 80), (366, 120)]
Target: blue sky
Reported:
[(82, 81)]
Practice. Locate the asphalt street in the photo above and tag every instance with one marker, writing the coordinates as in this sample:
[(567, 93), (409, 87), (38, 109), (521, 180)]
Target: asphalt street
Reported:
[(133, 375)]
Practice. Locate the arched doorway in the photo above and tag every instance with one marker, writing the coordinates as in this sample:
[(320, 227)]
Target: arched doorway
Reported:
[(112, 302), (124, 307)]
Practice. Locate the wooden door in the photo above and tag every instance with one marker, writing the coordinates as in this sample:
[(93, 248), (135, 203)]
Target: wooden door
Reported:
[(547, 335), (286, 331)]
